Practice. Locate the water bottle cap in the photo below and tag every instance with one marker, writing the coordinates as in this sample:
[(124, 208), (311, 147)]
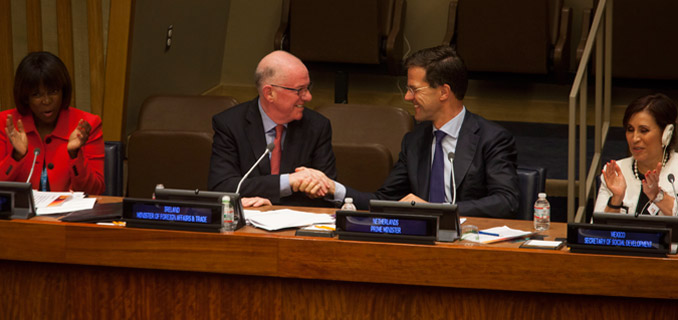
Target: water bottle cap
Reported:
[(348, 200), (225, 199), (542, 195)]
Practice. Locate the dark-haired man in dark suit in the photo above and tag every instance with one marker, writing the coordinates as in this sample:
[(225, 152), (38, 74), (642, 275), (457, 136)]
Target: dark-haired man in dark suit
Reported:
[(484, 153), (302, 138)]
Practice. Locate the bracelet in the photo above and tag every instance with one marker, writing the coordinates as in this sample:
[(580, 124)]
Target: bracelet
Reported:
[(659, 197), (609, 204)]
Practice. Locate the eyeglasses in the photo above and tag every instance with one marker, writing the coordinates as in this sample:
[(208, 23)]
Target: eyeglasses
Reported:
[(415, 90), (300, 92)]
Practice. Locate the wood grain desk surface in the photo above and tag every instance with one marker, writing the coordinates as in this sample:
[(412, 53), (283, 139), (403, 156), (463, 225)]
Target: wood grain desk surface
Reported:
[(251, 251)]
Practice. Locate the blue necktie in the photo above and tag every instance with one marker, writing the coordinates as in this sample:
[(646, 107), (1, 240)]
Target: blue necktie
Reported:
[(436, 188)]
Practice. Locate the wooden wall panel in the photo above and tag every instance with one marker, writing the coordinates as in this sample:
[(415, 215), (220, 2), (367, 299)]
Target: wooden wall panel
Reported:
[(34, 25), (6, 56), (117, 64), (95, 34), (65, 39)]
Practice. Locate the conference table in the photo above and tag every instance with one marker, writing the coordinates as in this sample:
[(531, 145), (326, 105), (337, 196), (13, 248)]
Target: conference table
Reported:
[(61, 270)]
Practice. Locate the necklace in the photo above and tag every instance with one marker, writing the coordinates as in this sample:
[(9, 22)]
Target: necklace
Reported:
[(635, 165)]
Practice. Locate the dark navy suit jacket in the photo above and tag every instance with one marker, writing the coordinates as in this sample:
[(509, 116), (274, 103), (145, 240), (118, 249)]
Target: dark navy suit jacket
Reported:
[(484, 169), (239, 140)]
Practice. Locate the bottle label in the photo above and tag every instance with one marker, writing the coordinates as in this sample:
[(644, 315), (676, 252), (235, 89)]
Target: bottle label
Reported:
[(541, 212)]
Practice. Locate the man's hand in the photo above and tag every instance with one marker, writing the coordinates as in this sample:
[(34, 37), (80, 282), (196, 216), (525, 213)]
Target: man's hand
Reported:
[(312, 182), (254, 202), (411, 197)]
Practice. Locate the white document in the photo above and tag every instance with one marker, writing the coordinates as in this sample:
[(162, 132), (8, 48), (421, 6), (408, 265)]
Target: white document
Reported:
[(285, 218), (497, 234), (48, 202)]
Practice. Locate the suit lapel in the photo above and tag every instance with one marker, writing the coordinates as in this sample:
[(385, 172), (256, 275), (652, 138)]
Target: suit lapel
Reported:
[(256, 137), (424, 165), (466, 147)]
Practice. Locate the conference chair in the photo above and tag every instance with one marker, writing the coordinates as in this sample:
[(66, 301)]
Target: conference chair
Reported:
[(348, 31), (518, 36), (113, 168), (368, 124), (363, 167), (531, 182), (645, 48), (173, 143)]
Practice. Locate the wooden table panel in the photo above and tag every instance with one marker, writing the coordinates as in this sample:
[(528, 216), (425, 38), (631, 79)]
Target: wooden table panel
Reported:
[(85, 271), (481, 267), (30, 241), (174, 250)]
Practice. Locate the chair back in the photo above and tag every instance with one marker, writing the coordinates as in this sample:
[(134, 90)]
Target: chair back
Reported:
[(363, 167), (173, 143), (531, 182), (113, 169), (182, 112), (349, 31), (519, 36), (176, 159), (368, 124), (645, 48)]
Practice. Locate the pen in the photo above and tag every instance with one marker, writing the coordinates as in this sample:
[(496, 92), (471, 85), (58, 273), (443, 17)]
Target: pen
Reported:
[(488, 233)]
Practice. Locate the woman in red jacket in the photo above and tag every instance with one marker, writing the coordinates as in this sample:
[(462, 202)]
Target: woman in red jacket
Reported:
[(63, 145)]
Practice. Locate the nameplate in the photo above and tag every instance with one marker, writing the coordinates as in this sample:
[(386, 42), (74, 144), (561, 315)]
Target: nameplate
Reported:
[(624, 240), (172, 215), (386, 227)]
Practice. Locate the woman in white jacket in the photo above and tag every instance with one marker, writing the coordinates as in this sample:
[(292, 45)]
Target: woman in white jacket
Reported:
[(639, 184)]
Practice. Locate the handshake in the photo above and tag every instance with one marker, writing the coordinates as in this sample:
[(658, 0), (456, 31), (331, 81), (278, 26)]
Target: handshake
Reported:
[(312, 182)]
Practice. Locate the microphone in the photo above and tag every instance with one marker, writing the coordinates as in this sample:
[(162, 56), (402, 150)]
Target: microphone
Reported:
[(450, 156), (36, 152), (269, 148), (675, 200)]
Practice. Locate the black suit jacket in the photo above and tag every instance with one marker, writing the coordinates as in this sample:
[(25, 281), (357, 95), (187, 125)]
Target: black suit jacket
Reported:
[(484, 169), (239, 140)]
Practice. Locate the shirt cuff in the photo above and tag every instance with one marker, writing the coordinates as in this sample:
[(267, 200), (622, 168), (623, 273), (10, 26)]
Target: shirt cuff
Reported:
[(285, 189), (339, 193)]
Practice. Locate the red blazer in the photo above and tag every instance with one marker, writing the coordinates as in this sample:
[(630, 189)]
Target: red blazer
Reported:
[(84, 173)]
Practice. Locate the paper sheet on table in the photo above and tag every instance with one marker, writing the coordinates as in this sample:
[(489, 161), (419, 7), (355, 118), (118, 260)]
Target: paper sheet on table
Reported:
[(50, 203), (505, 233), (285, 218)]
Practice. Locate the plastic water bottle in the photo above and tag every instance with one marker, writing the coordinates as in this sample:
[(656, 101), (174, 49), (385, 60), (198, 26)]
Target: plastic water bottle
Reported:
[(228, 214), (348, 205), (542, 213)]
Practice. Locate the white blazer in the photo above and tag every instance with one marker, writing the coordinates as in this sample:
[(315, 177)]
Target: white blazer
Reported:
[(634, 186)]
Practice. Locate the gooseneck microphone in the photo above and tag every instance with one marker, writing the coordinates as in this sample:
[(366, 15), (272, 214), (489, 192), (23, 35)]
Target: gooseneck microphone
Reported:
[(36, 152), (675, 197), (450, 156), (269, 148)]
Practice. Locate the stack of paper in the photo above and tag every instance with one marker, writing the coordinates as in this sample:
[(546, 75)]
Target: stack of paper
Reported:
[(285, 218), (61, 202), (497, 234)]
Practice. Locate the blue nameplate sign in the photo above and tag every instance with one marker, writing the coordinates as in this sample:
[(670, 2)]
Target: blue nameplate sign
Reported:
[(174, 215), (386, 227), (611, 239)]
